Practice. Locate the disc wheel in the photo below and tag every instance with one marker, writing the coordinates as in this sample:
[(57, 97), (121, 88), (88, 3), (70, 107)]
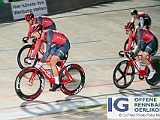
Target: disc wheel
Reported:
[(123, 74)]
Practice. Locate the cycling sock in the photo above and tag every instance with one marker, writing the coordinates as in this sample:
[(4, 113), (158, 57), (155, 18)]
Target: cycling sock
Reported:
[(150, 68), (56, 80)]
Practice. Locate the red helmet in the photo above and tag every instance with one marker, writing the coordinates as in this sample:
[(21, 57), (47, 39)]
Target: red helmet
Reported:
[(28, 16), (129, 25), (36, 27)]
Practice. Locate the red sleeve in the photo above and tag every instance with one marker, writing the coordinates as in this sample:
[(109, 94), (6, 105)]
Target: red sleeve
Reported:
[(29, 31), (37, 47), (129, 43)]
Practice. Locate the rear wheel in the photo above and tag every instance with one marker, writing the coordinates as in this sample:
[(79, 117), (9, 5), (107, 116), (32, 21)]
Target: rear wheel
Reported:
[(123, 74), (27, 90), (78, 75), (156, 78), (23, 55)]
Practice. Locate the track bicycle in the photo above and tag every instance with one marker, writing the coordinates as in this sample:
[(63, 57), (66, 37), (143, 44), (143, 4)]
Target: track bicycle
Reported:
[(26, 51), (124, 72), (30, 81)]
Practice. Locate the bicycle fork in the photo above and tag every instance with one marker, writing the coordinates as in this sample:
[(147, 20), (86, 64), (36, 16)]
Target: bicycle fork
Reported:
[(31, 79)]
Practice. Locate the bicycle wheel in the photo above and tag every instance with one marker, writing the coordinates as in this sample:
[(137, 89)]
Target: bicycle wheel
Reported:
[(156, 78), (23, 54), (74, 87), (26, 90), (123, 72), (132, 48)]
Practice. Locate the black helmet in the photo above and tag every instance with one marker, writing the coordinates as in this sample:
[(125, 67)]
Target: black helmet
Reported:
[(134, 12)]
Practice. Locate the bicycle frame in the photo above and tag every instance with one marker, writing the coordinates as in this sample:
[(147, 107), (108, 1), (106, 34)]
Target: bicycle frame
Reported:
[(30, 50), (49, 77), (142, 72)]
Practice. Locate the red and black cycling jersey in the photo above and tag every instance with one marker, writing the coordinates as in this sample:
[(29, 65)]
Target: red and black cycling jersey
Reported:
[(143, 18), (45, 21), (140, 34), (50, 37)]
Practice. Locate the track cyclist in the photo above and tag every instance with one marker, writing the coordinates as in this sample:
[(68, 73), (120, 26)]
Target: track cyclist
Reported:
[(144, 19), (146, 43), (57, 45), (45, 21)]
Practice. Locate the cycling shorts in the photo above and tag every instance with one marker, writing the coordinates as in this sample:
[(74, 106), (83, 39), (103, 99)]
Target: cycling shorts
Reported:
[(60, 51), (148, 47)]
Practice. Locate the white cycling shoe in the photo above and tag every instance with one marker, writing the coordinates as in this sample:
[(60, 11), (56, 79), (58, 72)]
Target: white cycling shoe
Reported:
[(151, 74)]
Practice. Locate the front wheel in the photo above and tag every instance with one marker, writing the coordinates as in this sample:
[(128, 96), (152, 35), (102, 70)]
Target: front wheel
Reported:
[(29, 90), (123, 74), (156, 78), (24, 54), (78, 75)]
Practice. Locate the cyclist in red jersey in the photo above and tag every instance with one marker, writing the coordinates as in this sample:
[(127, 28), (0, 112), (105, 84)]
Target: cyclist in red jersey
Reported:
[(146, 43), (57, 46), (46, 22), (144, 19)]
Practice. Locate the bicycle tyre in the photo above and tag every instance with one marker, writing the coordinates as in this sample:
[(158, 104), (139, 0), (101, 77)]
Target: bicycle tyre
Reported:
[(20, 64), (119, 66), (156, 78), (21, 85), (72, 88)]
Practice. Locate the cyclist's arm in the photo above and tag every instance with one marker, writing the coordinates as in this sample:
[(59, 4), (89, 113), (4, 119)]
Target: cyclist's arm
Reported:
[(49, 35), (129, 43), (132, 20), (37, 47), (139, 37), (29, 31), (141, 22), (39, 20)]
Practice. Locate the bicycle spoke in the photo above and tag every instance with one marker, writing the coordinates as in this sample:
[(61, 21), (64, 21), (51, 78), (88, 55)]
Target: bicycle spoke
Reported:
[(120, 71), (120, 78)]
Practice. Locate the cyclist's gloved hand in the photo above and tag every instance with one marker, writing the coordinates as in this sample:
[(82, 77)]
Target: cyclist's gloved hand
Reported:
[(25, 39), (38, 65), (27, 60), (133, 56)]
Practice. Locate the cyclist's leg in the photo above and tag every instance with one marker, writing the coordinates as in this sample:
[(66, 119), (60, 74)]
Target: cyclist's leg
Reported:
[(57, 55), (147, 51)]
